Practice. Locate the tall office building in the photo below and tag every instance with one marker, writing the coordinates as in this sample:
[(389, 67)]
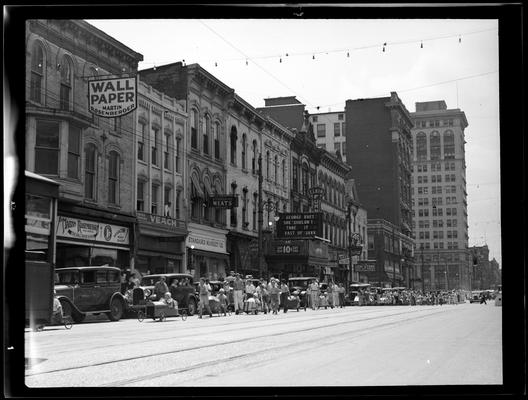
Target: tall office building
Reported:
[(378, 136), (439, 196)]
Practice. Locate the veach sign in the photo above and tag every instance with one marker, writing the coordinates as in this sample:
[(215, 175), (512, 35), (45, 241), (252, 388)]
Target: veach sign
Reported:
[(112, 97)]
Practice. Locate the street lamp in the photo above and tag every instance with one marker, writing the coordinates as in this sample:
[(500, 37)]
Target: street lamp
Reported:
[(353, 237)]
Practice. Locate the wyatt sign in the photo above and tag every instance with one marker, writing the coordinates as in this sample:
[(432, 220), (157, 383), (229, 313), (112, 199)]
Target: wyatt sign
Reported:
[(112, 97)]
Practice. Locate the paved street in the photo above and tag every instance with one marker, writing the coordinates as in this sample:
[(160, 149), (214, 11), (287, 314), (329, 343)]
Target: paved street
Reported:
[(355, 346)]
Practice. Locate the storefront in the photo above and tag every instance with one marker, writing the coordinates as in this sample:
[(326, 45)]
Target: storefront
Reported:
[(160, 245), (206, 250), (290, 258), (89, 236), (243, 251)]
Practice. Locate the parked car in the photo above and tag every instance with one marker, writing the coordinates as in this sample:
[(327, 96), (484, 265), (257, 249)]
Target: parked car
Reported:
[(184, 295), (90, 290)]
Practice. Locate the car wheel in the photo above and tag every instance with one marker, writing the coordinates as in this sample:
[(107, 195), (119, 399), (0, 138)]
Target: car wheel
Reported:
[(162, 317), (192, 307), (141, 316), (116, 310)]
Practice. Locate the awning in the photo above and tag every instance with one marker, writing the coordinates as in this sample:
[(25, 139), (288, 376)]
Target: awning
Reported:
[(223, 256), (196, 190)]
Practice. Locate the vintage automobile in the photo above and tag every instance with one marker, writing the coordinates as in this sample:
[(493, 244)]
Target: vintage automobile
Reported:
[(90, 290), (359, 291), (185, 295), (300, 284)]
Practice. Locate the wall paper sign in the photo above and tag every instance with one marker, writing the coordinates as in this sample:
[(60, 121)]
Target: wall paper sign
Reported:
[(109, 98)]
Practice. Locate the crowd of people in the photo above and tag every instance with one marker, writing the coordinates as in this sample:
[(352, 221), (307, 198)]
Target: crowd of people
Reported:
[(408, 297)]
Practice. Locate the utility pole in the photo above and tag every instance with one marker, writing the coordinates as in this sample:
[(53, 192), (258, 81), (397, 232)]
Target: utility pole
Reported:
[(260, 216)]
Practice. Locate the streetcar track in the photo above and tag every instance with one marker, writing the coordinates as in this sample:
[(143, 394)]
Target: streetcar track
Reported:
[(200, 347), (332, 340), (230, 325)]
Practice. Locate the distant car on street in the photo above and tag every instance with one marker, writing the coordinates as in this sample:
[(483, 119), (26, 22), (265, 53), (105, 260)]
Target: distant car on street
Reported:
[(300, 284), (90, 290)]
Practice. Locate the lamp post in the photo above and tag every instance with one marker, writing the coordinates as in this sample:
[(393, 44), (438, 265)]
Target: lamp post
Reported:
[(352, 210)]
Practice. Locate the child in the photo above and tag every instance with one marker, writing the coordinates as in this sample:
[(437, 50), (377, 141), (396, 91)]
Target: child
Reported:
[(167, 299), (222, 298)]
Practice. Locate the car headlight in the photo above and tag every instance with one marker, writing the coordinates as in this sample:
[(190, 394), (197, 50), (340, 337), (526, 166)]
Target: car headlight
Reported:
[(147, 292)]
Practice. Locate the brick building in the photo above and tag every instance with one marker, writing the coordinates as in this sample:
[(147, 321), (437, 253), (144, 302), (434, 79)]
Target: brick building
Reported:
[(89, 156), (378, 137)]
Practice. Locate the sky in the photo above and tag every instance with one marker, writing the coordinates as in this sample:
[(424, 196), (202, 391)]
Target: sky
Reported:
[(325, 62)]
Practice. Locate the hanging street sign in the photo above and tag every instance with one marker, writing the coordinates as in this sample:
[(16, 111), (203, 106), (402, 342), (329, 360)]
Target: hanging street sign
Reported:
[(110, 98), (223, 201)]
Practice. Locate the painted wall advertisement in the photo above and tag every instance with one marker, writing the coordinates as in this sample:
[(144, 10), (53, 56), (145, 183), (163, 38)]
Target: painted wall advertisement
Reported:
[(73, 228), (111, 98)]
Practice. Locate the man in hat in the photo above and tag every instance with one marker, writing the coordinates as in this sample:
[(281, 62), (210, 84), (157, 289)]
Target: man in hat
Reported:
[(238, 293), (160, 288)]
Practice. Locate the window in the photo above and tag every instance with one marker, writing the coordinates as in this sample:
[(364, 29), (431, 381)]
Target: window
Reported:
[(194, 131), (276, 166), (141, 143), (295, 176), (267, 164), (244, 151), (421, 146), (155, 139), (140, 205), (47, 147), (177, 158), (435, 145), (37, 73), (255, 196), (167, 202), (254, 158), (74, 151), (206, 127), (321, 130), (154, 202), (65, 83), (449, 145), (283, 169), (216, 135), (245, 222), (113, 177), (343, 149), (337, 147), (337, 129), (178, 200), (89, 171), (166, 160), (314, 118), (233, 145), (305, 184)]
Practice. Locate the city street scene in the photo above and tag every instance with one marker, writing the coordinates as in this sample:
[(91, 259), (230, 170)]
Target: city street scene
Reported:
[(209, 202)]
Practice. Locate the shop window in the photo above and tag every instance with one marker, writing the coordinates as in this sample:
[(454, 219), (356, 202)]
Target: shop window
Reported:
[(47, 147), (113, 178), (37, 73)]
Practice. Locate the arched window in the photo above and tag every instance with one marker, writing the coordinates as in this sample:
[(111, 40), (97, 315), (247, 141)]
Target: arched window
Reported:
[(233, 145), (267, 164), (449, 145), (421, 146), (90, 162), (65, 83), (194, 127), (206, 127), (276, 166), (435, 145), (37, 73), (113, 178), (216, 134), (254, 158), (244, 150)]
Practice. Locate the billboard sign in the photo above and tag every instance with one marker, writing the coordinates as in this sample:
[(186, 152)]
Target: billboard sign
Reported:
[(109, 98)]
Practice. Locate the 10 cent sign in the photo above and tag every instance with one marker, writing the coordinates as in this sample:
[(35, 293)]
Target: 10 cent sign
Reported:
[(112, 97)]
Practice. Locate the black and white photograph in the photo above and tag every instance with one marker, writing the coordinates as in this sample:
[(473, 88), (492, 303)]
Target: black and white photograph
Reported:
[(288, 197)]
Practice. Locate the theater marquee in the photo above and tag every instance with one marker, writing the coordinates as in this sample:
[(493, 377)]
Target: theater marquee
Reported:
[(111, 98)]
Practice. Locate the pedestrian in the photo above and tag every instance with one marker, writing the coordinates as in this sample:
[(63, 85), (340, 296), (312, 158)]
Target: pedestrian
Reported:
[(335, 294), (263, 295), (308, 296), (483, 298), (314, 293), (222, 300), (330, 294), (238, 294), (274, 293), (285, 292), (250, 288), (173, 289), (204, 290), (160, 288), (341, 291)]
